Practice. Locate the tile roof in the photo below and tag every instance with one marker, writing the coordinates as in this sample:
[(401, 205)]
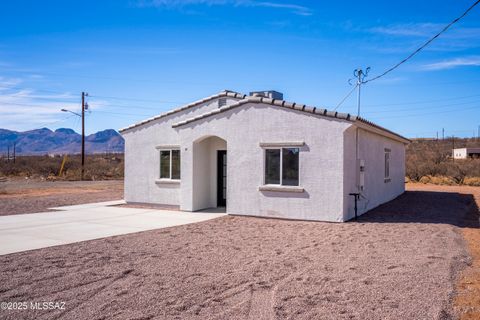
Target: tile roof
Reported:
[(244, 99), (294, 106), (224, 93)]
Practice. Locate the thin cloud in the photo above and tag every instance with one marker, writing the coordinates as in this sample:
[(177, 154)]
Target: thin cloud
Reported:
[(28, 109), (425, 29), (171, 4), (409, 29), (452, 63), (455, 39)]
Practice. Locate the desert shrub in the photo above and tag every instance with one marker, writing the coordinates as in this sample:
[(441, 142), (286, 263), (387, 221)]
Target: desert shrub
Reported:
[(97, 167), (430, 161), (472, 181)]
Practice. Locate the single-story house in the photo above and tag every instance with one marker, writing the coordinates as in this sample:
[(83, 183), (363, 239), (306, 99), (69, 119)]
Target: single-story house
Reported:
[(259, 155), (465, 153)]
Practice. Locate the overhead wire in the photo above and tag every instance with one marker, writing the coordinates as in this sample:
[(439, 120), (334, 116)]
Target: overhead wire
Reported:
[(346, 97), (425, 44)]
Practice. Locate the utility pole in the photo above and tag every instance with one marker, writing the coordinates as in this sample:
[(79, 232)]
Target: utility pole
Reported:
[(360, 75), (8, 153), (14, 151), (443, 133), (81, 115), (83, 134)]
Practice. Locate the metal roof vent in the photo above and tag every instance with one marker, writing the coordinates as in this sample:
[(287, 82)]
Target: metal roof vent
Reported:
[(272, 94)]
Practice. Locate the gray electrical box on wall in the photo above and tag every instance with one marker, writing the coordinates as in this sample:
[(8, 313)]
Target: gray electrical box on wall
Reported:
[(361, 174)]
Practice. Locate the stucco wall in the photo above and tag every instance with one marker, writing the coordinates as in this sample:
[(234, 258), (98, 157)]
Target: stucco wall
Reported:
[(321, 161), (142, 159), (372, 150), (459, 153)]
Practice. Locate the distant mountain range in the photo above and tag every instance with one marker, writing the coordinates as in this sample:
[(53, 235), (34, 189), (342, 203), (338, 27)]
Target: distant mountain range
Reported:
[(61, 141)]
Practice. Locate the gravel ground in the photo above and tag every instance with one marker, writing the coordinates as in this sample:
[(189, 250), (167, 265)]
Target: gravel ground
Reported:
[(27, 196), (400, 261)]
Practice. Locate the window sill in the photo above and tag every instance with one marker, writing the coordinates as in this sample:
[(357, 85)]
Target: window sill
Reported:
[(387, 180), (167, 181), (278, 188)]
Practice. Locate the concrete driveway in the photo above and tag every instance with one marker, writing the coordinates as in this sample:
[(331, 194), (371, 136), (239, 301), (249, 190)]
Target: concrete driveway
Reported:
[(86, 222)]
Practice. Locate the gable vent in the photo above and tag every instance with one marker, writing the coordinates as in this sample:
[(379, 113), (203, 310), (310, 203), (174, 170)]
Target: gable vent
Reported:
[(222, 102)]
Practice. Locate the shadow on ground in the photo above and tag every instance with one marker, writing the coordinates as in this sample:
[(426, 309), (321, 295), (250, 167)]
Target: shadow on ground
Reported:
[(452, 208)]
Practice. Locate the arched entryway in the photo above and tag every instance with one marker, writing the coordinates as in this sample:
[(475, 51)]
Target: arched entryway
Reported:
[(209, 181)]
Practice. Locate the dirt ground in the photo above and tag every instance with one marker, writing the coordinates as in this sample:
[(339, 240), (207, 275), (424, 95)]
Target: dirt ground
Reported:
[(19, 195), (400, 261)]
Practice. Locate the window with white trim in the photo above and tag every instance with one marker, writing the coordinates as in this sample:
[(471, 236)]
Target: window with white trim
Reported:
[(282, 166), (170, 164), (387, 165)]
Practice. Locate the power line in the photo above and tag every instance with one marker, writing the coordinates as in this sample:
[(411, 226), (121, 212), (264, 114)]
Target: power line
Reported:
[(123, 113), (127, 106), (426, 114), (345, 98), (53, 122), (135, 99), (425, 44), (425, 108), (419, 101)]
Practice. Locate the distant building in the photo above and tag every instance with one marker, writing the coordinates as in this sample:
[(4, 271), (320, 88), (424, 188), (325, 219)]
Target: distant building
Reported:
[(465, 153)]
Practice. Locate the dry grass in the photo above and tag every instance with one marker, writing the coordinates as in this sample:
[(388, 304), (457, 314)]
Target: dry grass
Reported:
[(97, 167), (430, 161)]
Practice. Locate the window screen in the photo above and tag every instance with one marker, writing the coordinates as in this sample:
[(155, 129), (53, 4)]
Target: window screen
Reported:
[(165, 164), (175, 164), (272, 166), (290, 166)]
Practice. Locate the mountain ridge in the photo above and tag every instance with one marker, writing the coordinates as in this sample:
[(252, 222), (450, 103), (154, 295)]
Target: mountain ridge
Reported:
[(61, 141)]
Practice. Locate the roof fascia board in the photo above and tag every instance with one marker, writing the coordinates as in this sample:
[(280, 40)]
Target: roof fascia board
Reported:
[(380, 131)]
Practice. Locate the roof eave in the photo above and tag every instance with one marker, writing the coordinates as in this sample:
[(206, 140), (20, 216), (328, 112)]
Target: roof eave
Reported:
[(373, 127), (224, 93)]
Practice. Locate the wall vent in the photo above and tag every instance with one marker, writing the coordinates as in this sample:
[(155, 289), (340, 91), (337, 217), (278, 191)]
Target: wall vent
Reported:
[(222, 102)]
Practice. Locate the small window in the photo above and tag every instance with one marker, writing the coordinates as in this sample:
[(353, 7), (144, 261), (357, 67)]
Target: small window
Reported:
[(282, 166), (170, 164), (387, 165)]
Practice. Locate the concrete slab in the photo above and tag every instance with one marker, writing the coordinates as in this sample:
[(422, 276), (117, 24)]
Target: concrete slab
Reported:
[(86, 222)]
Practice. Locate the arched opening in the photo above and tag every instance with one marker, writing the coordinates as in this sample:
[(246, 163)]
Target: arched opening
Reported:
[(209, 181)]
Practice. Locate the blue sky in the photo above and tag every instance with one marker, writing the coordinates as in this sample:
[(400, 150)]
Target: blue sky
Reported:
[(138, 58)]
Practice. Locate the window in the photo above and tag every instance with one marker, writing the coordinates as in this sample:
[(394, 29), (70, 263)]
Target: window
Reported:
[(387, 165), (281, 166), (170, 164)]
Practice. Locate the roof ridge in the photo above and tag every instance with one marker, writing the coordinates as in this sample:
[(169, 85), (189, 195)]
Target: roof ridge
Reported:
[(290, 105), (225, 92)]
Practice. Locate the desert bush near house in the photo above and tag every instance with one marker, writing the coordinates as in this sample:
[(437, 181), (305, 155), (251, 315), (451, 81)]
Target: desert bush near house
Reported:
[(430, 161), (97, 167)]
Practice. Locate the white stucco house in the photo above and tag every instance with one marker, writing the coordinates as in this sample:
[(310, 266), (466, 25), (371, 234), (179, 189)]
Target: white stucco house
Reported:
[(466, 153), (259, 155)]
